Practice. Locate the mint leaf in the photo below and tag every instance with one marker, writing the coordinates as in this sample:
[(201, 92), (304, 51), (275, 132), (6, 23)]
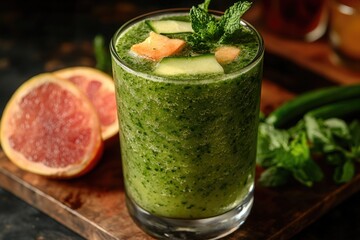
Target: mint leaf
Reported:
[(198, 43), (298, 160), (315, 132), (336, 140), (335, 158), (205, 29), (274, 176), (344, 173), (210, 31), (205, 5), (354, 129), (309, 173), (327, 136), (230, 22), (203, 23), (338, 128), (289, 151), (269, 141)]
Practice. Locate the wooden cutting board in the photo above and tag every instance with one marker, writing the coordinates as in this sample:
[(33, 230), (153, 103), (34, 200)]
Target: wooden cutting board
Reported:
[(94, 206)]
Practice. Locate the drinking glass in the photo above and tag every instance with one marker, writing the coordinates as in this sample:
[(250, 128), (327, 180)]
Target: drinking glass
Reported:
[(299, 19), (344, 32), (188, 146)]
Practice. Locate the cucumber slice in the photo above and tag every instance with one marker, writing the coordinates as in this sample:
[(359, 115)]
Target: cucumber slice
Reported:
[(169, 26), (202, 64)]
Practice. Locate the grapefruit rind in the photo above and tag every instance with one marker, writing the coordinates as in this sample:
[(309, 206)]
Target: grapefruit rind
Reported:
[(93, 150), (109, 131)]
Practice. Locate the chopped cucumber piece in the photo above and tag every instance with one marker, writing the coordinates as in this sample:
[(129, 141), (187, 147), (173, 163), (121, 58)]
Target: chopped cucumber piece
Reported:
[(203, 64), (169, 26)]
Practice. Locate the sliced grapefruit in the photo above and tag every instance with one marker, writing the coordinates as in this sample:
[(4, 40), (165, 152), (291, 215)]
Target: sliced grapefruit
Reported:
[(49, 127), (100, 89)]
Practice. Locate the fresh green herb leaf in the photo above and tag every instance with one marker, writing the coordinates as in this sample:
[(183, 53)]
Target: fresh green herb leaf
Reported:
[(230, 21), (338, 128), (209, 31), (314, 132), (354, 129), (203, 23), (204, 26), (262, 117), (274, 176), (298, 161), (205, 5), (308, 173), (335, 158), (288, 151), (292, 149), (269, 140), (345, 172), (333, 138)]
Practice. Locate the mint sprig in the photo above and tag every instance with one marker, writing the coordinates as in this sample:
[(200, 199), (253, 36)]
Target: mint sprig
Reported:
[(286, 154), (210, 31)]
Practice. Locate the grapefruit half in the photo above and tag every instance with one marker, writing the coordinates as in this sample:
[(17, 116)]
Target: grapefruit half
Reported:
[(100, 89), (49, 127)]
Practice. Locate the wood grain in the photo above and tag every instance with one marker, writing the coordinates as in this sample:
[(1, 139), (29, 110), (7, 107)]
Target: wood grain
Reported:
[(94, 206)]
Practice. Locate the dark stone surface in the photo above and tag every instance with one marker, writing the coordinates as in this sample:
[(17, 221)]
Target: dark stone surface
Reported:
[(19, 221)]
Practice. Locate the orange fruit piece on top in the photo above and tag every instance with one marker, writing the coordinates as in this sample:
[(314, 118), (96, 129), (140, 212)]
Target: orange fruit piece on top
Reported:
[(226, 54), (158, 46)]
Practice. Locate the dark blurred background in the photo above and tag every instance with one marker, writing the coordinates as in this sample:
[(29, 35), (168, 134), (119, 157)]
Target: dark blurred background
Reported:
[(38, 36)]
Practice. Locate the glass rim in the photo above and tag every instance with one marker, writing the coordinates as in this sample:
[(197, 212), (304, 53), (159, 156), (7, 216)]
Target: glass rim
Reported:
[(346, 8), (258, 57)]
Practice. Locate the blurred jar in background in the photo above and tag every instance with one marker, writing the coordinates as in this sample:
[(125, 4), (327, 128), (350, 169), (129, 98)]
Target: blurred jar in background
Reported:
[(302, 19), (344, 32)]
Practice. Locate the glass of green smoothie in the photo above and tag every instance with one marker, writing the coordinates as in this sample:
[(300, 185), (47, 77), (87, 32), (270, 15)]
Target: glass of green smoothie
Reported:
[(188, 107)]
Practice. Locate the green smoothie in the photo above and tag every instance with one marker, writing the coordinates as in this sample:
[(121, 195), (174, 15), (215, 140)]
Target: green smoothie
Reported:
[(188, 141)]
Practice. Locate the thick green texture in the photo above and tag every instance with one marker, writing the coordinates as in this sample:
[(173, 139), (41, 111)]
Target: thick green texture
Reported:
[(188, 144), (292, 111), (188, 150)]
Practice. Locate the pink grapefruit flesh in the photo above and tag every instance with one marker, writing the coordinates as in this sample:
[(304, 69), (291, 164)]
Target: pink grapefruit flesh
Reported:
[(100, 89), (49, 127)]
